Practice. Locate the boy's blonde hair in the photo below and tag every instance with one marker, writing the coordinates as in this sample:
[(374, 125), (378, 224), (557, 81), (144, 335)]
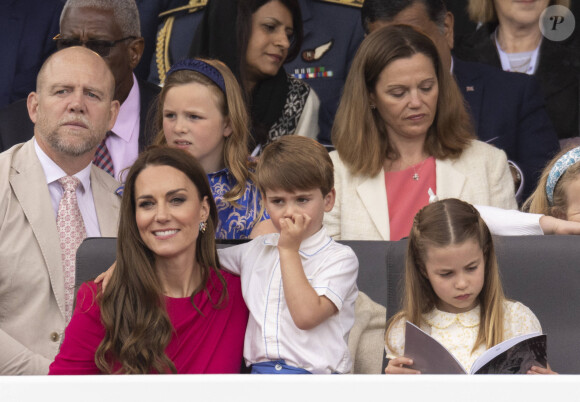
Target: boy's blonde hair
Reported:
[(295, 163), (444, 223), (538, 202)]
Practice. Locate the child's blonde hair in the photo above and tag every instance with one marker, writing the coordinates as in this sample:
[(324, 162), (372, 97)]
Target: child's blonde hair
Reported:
[(444, 223), (567, 171), (232, 107), (295, 163)]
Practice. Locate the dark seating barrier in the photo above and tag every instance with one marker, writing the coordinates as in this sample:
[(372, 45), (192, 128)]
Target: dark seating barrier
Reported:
[(96, 254)]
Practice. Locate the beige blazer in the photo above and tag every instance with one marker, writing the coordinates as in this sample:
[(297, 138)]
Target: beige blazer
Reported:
[(366, 341), (479, 176), (31, 276)]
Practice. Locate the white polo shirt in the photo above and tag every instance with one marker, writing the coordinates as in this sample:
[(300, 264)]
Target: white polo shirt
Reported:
[(331, 269)]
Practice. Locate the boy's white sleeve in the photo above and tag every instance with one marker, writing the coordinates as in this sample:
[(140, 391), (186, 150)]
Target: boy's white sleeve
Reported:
[(510, 222), (337, 279), (231, 258)]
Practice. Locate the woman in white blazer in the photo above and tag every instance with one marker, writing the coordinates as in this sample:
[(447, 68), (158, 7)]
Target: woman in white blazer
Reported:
[(402, 129)]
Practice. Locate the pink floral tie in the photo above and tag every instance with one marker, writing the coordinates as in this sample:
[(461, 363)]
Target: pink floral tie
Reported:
[(71, 230)]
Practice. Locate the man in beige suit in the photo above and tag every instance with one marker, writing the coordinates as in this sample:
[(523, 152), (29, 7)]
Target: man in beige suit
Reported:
[(72, 109)]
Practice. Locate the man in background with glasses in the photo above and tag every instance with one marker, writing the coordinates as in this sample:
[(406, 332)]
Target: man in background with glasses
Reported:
[(110, 28)]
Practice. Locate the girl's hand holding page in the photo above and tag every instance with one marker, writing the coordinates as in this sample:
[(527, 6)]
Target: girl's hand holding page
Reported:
[(396, 366)]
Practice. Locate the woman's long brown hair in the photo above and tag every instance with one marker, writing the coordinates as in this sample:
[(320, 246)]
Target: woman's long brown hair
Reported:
[(133, 309), (359, 133)]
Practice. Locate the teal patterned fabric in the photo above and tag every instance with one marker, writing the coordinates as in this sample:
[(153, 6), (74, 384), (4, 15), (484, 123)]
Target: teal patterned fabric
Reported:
[(562, 164)]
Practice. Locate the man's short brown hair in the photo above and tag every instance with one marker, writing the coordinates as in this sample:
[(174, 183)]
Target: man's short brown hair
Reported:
[(295, 163)]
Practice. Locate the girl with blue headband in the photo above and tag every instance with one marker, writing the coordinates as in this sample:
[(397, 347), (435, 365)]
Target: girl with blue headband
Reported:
[(201, 109), (558, 191)]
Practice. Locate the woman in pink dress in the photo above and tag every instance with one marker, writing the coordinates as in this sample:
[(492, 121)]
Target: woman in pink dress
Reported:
[(168, 307)]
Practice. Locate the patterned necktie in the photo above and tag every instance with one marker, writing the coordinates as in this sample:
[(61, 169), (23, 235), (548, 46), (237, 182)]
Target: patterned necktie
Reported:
[(103, 158), (71, 230)]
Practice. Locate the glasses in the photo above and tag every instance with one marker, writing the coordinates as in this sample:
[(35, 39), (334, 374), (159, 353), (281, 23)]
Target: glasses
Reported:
[(101, 47)]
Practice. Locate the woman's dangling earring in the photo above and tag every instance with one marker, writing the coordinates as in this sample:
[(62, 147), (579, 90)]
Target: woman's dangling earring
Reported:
[(202, 227)]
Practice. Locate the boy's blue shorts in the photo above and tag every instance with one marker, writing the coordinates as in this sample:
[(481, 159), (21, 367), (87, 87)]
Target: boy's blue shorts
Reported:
[(276, 367)]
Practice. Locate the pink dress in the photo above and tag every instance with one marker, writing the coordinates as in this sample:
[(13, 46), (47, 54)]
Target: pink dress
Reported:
[(407, 193), (208, 343)]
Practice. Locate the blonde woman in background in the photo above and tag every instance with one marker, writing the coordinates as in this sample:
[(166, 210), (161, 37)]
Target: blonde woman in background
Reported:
[(510, 38)]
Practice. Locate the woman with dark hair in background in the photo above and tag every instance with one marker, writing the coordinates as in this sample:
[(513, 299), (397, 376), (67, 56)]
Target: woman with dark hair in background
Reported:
[(254, 38)]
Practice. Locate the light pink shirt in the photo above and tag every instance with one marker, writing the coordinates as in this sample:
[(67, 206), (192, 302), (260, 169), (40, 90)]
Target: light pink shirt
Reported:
[(124, 145), (53, 172)]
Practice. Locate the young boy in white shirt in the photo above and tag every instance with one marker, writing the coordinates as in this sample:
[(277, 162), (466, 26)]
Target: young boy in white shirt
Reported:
[(299, 284)]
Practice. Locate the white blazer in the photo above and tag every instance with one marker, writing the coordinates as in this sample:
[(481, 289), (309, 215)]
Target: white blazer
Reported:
[(480, 176)]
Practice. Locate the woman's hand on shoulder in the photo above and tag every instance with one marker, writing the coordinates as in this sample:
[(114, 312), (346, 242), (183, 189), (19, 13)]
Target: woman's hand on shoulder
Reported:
[(105, 277), (397, 366)]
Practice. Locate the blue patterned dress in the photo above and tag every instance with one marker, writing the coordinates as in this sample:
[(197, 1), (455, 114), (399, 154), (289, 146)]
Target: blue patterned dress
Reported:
[(235, 222)]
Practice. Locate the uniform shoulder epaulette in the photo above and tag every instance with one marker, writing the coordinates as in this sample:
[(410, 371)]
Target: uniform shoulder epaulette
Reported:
[(351, 3), (164, 34), (191, 7)]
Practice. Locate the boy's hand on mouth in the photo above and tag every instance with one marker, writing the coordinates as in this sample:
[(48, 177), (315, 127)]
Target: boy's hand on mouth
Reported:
[(293, 231)]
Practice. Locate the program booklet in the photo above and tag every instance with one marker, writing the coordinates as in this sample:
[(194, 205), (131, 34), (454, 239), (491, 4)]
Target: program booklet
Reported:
[(514, 356)]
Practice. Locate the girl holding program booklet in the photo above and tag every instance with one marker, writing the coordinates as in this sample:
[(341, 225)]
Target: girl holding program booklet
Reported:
[(453, 290)]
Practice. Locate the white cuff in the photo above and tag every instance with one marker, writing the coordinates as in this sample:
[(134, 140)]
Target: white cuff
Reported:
[(510, 222)]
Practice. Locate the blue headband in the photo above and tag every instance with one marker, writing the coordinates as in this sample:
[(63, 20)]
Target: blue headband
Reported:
[(559, 168), (201, 67)]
